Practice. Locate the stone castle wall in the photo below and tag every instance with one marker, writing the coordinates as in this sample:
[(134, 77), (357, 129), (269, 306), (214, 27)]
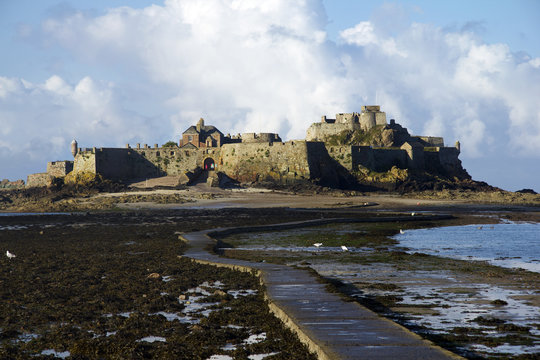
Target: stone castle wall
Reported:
[(173, 160), (85, 161), (341, 154), (283, 162), (288, 162), (320, 131), (128, 163), (260, 137), (431, 140), (378, 159), (59, 168), (38, 179)]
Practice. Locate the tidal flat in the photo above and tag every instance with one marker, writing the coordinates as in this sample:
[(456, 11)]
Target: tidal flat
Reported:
[(111, 285), (472, 308)]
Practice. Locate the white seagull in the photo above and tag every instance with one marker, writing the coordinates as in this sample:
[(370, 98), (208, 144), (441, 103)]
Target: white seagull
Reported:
[(317, 245), (401, 231), (10, 255), (344, 248), (412, 214)]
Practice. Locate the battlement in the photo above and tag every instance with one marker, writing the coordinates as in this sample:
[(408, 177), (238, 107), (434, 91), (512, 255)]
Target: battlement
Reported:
[(371, 108), (260, 138)]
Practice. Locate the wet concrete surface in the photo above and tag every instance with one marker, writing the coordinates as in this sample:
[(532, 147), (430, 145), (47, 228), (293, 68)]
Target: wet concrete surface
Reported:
[(330, 326)]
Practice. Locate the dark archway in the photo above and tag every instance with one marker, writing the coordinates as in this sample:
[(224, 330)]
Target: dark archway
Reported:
[(209, 164)]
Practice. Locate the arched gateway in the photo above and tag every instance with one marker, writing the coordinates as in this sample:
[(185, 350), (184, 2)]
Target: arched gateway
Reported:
[(209, 164)]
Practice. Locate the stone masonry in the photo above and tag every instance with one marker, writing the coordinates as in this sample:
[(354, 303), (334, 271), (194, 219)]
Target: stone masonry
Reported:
[(264, 157)]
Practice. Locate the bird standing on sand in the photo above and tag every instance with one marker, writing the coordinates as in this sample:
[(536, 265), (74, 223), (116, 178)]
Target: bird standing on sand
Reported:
[(317, 245), (344, 248), (10, 255)]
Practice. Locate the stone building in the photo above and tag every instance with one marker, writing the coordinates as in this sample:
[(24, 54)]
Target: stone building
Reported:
[(201, 135), (252, 157)]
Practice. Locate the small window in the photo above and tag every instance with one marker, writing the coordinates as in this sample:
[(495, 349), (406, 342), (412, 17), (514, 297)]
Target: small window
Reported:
[(190, 138), (172, 153)]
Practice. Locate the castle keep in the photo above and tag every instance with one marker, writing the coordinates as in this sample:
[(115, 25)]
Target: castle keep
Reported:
[(335, 153)]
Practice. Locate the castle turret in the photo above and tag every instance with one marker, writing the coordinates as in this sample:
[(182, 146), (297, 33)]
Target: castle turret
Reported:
[(74, 148)]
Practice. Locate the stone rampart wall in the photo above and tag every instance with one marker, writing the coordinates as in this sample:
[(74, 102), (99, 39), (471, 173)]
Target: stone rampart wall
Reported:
[(122, 164), (431, 140), (173, 160), (379, 159), (260, 137), (39, 179), (342, 154), (319, 131), (128, 163), (59, 168), (282, 162), (85, 161)]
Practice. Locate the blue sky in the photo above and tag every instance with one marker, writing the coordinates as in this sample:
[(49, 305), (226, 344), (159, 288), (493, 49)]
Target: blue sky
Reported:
[(112, 72)]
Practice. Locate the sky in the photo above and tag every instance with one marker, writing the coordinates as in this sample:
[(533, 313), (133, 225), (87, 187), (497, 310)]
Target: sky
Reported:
[(112, 72)]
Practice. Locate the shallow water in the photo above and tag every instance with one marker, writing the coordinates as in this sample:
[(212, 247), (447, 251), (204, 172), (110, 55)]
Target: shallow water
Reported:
[(441, 302), (512, 245)]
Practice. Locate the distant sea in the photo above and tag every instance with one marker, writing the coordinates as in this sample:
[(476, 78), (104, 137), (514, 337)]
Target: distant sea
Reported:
[(512, 245)]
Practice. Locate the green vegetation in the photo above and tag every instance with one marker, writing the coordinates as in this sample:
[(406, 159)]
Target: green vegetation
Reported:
[(356, 137), (169, 144)]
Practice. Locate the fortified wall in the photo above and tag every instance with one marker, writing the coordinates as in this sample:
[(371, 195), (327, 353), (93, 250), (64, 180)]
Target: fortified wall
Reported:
[(252, 157)]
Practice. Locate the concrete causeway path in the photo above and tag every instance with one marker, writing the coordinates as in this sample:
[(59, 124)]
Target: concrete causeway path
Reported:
[(328, 325)]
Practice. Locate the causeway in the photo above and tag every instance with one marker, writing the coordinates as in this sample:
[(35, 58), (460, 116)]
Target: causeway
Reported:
[(328, 325)]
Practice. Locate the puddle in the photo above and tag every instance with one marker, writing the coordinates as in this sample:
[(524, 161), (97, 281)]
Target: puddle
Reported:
[(151, 339), (255, 339), (195, 306), (14, 227), (261, 356), (27, 337), (237, 293), (58, 354), (220, 357)]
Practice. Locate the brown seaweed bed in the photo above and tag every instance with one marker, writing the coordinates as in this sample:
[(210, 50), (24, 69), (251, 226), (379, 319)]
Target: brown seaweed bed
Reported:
[(111, 285)]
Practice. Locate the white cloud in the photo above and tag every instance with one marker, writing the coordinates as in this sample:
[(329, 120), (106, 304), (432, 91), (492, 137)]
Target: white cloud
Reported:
[(269, 66), (363, 34), (40, 120)]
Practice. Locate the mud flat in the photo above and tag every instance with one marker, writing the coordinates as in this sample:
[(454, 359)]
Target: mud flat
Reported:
[(469, 307)]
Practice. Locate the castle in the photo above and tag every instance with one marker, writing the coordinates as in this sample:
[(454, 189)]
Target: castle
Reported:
[(333, 154)]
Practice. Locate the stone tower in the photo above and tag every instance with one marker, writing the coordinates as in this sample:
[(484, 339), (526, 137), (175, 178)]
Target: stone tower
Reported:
[(74, 148)]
